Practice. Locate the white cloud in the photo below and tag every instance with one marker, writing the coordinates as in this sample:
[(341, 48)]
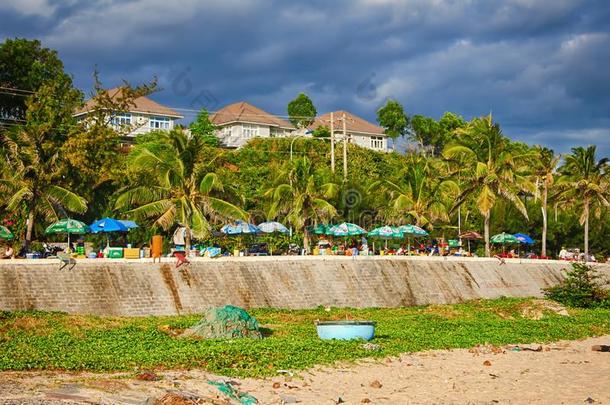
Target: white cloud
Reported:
[(40, 8)]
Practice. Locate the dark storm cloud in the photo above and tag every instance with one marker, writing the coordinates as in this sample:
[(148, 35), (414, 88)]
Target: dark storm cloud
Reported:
[(539, 66)]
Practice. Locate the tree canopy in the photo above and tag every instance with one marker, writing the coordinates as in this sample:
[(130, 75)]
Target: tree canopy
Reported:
[(301, 111)]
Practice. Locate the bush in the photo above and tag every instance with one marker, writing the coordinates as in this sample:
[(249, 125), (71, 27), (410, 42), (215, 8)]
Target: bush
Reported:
[(582, 288)]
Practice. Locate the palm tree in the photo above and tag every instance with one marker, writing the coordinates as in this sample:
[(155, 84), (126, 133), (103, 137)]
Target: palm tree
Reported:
[(31, 177), (494, 168), (300, 194), (544, 169), (182, 190), (421, 194), (584, 180)]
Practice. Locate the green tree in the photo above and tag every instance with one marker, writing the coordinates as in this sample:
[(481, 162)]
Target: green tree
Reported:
[(176, 186), (301, 195), (494, 168), (421, 194), (424, 131), (301, 111), (544, 167), (583, 183), (393, 119), (321, 132), (32, 177), (25, 66), (93, 156), (205, 129)]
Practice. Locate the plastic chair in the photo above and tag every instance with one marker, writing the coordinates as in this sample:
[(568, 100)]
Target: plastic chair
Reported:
[(66, 260), (180, 259)]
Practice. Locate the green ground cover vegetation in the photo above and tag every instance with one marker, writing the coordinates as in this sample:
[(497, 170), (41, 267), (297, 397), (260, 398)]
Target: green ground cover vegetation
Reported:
[(58, 341)]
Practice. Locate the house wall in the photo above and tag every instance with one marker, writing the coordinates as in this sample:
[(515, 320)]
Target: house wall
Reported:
[(236, 138), (364, 140)]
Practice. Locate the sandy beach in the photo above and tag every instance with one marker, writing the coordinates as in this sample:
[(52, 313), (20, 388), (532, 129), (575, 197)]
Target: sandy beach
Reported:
[(567, 372)]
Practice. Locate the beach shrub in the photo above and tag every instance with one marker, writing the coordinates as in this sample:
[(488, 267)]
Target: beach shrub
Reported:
[(582, 288)]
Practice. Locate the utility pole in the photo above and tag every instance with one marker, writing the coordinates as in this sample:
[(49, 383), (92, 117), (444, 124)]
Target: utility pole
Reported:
[(332, 142), (344, 149)]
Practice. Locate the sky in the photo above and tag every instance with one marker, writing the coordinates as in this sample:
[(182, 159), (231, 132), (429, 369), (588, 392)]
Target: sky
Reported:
[(542, 67)]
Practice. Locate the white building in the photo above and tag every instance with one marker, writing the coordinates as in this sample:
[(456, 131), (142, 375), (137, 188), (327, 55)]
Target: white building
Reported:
[(359, 131), (144, 115), (239, 122)]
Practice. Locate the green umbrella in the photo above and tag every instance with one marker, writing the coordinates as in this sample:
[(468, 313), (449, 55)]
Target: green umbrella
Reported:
[(346, 229), (67, 226), (504, 238), (386, 232), (321, 229), (5, 233)]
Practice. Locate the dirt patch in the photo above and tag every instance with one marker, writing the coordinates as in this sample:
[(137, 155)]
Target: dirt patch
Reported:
[(30, 324), (537, 309), (443, 310)]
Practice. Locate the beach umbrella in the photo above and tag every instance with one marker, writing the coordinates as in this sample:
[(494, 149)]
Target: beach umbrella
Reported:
[(412, 230), (523, 238), (346, 229), (5, 233), (386, 232), (321, 229), (503, 238), (108, 225), (69, 226), (240, 228), (272, 227), (128, 224), (470, 235)]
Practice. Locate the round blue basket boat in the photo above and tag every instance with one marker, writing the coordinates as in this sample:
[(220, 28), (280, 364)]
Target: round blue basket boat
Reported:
[(346, 330)]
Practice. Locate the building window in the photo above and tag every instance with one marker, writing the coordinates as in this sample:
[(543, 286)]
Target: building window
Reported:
[(250, 131), (158, 123), (377, 142), (227, 131), (121, 119)]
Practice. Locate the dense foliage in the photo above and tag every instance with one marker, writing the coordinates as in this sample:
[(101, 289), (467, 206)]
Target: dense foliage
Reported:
[(36, 340), (582, 288), (455, 173)]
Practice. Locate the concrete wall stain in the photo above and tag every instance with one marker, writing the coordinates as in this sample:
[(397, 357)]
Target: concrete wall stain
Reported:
[(168, 278)]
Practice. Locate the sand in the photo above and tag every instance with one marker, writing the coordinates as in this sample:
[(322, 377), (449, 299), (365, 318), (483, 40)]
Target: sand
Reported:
[(560, 373)]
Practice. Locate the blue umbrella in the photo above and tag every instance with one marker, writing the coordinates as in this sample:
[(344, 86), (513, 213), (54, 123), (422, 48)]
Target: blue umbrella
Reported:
[(523, 238), (272, 226), (108, 225), (128, 224), (240, 228)]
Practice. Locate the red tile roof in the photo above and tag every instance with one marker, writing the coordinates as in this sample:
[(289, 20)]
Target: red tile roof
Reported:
[(353, 123), (247, 113), (141, 104)]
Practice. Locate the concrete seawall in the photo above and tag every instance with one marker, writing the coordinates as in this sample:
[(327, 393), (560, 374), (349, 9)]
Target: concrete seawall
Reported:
[(110, 287)]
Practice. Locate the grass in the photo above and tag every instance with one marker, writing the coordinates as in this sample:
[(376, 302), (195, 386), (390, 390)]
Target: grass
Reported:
[(58, 341)]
